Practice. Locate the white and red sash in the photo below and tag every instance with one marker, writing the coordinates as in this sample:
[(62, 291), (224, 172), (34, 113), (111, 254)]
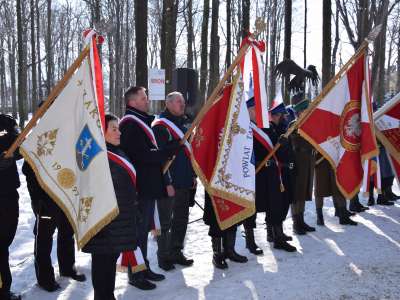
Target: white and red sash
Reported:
[(147, 130), (132, 258), (125, 164), (175, 132), (264, 140)]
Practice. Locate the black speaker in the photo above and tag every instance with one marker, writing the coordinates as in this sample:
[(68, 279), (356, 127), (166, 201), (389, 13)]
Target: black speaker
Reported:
[(185, 81)]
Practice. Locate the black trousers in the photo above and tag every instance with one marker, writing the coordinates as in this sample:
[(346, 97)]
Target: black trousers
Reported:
[(9, 212), (174, 217), (50, 217), (250, 222), (103, 275), (146, 208)]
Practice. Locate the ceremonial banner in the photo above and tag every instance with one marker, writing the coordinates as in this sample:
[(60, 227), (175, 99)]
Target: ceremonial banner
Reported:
[(387, 120), (341, 126), (252, 68), (68, 154), (222, 156)]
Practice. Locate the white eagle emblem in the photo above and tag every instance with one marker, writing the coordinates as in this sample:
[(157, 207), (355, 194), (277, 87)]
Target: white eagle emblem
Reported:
[(353, 126)]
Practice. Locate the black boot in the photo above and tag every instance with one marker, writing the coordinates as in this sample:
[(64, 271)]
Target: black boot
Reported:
[(298, 226), (9, 296), (344, 218), (229, 247), (392, 196), (251, 243), (218, 257), (270, 234), (306, 227), (279, 240), (382, 200), (320, 217), (356, 206), (371, 199)]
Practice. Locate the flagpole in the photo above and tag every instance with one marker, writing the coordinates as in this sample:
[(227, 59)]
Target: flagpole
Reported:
[(363, 47), (211, 99), (50, 99)]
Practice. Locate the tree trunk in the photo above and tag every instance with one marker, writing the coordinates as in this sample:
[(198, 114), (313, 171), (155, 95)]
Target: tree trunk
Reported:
[(204, 49), (49, 51), (378, 65), (272, 59), (33, 56), (246, 18), (398, 61), (287, 46), (326, 41), (119, 106), (305, 35), (169, 45), (141, 42), (11, 59), (3, 85), (39, 65), (228, 34), (126, 48), (214, 48), (22, 68), (190, 33), (336, 45)]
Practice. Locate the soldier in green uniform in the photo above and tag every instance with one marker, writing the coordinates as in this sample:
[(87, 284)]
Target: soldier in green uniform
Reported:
[(305, 162)]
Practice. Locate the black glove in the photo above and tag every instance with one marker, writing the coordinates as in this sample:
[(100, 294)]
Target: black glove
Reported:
[(283, 140), (5, 163), (172, 147)]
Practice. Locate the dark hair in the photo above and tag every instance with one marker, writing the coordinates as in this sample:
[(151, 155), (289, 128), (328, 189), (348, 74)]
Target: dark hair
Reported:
[(109, 118), (133, 90)]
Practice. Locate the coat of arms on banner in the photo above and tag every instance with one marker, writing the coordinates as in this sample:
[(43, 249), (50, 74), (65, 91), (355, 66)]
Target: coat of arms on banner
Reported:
[(86, 148)]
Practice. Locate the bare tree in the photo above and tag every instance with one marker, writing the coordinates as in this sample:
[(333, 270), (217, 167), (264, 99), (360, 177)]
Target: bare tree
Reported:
[(22, 68), (214, 48), (204, 49), (326, 41)]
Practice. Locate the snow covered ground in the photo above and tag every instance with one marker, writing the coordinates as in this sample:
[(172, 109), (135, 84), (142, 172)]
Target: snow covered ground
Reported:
[(335, 262)]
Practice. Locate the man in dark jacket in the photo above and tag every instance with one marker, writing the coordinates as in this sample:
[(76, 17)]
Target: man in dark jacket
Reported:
[(9, 210), (174, 212), (50, 217), (139, 144)]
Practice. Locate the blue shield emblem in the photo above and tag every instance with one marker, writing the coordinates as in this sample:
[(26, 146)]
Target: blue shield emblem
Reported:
[(86, 149)]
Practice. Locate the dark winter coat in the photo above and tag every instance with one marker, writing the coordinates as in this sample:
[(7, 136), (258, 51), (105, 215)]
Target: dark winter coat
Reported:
[(305, 163), (181, 170), (119, 235), (9, 177), (147, 159), (40, 200)]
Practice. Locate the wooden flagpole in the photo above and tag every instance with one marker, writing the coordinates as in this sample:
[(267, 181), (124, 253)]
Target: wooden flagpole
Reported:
[(363, 47), (211, 99), (49, 101)]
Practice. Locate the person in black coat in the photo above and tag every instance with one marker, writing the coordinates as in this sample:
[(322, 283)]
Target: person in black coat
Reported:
[(174, 211), (279, 192), (139, 144), (9, 209), (120, 235)]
